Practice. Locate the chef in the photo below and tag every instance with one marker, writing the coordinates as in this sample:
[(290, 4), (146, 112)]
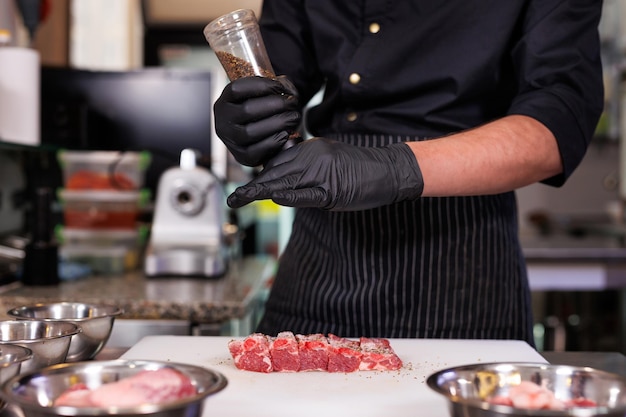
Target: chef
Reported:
[(433, 113)]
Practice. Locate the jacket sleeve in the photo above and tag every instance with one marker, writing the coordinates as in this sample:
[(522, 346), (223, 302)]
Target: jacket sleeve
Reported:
[(560, 74)]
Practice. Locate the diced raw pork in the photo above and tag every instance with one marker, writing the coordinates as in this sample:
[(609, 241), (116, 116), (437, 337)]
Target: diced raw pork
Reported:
[(344, 355), (252, 353), (377, 355), (313, 352), (146, 387), (284, 353)]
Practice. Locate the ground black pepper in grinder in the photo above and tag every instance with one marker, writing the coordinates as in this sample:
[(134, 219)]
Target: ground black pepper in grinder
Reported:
[(236, 40), (41, 258), (236, 67)]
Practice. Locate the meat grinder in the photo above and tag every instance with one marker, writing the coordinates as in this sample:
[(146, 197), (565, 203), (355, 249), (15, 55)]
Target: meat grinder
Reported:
[(187, 236)]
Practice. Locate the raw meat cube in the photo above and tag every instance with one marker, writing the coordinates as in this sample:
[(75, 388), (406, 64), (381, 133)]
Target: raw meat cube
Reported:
[(344, 355), (284, 353), (252, 353), (378, 355), (313, 350)]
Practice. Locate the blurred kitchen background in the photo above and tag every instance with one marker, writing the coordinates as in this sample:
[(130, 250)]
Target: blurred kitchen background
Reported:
[(137, 76)]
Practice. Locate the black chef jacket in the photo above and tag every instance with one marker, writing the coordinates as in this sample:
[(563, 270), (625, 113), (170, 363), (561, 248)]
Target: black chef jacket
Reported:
[(445, 267), (431, 67)]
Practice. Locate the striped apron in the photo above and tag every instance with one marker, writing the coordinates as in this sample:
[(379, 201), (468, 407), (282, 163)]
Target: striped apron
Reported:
[(431, 268)]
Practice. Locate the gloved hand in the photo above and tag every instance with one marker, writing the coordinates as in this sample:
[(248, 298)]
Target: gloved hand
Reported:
[(254, 117), (333, 175)]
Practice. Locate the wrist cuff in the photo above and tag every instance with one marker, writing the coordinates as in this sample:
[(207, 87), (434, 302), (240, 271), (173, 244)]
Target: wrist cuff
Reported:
[(408, 173)]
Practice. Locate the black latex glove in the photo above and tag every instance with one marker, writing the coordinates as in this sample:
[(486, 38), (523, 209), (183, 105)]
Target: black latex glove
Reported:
[(254, 115), (333, 175)]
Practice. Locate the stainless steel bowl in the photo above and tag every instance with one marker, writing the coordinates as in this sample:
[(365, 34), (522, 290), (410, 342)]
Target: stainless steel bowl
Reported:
[(467, 388), (96, 322), (11, 359), (49, 341), (35, 393)]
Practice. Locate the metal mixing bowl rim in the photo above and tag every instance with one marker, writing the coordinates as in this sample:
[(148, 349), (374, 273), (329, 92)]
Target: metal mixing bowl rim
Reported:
[(14, 312), (25, 355), (431, 382), (220, 383), (76, 329)]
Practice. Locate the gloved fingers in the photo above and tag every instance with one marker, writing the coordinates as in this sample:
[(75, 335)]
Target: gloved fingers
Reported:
[(235, 201), (307, 197), (255, 109), (257, 130), (247, 134), (289, 88), (255, 115), (261, 188), (247, 87), (247, 194), (280, 191), (260, 107), (280, 165), (257, 153), (240, 136)]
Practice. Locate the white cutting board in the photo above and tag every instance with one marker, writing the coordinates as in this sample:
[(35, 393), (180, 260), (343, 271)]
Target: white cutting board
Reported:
[(364, 393)]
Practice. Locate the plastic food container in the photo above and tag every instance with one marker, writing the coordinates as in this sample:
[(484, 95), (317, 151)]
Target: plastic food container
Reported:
[(100, 260), (103, 209), (104, 251), (103, 170), (106, 237)]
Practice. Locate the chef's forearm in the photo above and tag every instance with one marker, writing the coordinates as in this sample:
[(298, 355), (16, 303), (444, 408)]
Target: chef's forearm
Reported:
[(500, 156)]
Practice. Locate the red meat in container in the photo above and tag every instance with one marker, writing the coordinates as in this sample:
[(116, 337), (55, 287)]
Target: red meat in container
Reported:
[(78, 395), (146, 387)]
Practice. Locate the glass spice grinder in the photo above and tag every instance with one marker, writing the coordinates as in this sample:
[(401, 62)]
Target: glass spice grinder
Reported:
[(236, 40)]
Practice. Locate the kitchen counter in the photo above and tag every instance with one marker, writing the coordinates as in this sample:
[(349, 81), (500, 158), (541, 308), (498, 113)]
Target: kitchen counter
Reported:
[(555, 263), (568, 263), (196, 300), (572, 248), (614, 362), (564, 272)]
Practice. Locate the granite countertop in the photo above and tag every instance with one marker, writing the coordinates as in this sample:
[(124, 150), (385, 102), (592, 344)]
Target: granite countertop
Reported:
[(232, 296), (193, 299)]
